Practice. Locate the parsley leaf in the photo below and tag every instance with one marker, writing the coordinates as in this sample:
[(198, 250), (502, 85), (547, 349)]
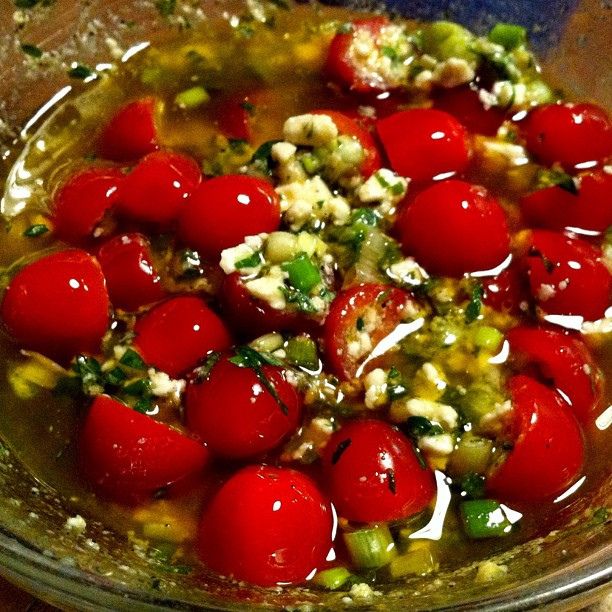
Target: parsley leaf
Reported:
[(80, 71), (36, 230), (262, 158), (472, 310), (31, 50)]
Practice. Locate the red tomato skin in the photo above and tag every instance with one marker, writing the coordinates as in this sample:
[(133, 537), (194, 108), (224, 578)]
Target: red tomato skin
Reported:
[(555, 208), (571, 134), (156, 190), (564, 360), (350, 127), (80, 203), (346, 308), (376, 475), (581, 284), (424, 143), (130, 274), (235, 415), (127, 456), (339, 66), (131, 133), (225, 209), (266, 526), (464, 104), (58, 305), (233, 118), (548, 452), (176, 334), (452, 228), (508, 291)]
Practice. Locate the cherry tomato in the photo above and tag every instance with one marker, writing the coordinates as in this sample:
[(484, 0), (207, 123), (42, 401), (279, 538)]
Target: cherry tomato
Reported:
[(81, 202), (424, 143), (578, 136), (508, 291), (234, 117), (266, 526), (130, 273), (565, 361), (464, 103), (131, 132), (359, 318), (58, 305), (156, 190), (548, 450), (453, 227), (225, 209), (374, 474), (127, 456), (556, 208), (252, 317), (350, 127), (347, 68), (236, 415), (567, 276), (175, 335)]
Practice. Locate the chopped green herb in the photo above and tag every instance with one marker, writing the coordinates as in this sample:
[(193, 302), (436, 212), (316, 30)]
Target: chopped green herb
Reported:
[(389, 52), (248, 107), (472, 310), (36, 230), (366, 216), (89, 371), (473, 485), (26, 4), (238, 145), (360, 324), (299, 298), (31, 50), (252, 261), (140, 387), (191, 98), (556, 178), (417, 426), (80, 71), (304, 275), (345, 28), (202, 372), (262, 158), (396, 387), (600, 516), (115, 377), (248, 357), (133, 360), (165, 7), (144, 405)]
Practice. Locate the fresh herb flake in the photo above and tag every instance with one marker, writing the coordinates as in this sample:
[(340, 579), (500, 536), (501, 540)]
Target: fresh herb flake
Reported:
[(133, 360), (556, 178), (249, 107), (202, 372), (36, 230), (32, 50), (472, 310), (417, 427), (80, 71), (473, 485), (252, 261), (165, 7), (391, 481), (342, 446), (262, 158)]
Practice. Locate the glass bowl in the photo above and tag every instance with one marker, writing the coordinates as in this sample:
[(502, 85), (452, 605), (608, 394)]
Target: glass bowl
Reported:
[(97, 568)]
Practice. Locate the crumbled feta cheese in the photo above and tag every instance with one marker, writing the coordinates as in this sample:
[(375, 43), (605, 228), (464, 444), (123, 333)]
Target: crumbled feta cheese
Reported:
[(375, 383), (489, 571), (269, 288), (441, 445), (283, 152), (601, 326), (453, 72), (361, 345), (432, 374), (113, 46), (163, 386), (230, 257), (546, 292), (363, 590), (313, 437), (499, 153), (407, 272), (423, 80), (119, 351), (493, 422), (436, 412), (310, 130), (383, 186), (487, 98), (75, 523)]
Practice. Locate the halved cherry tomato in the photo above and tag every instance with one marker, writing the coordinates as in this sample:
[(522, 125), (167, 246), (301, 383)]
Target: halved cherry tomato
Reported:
[(175, 335), (464, 103), (565, 361), (225, 209), (578, 136), (350, 127), (252, 317), (131, 276), (236, 414), (350, 71), (233, 116), (127, 456), (508, 291), (453, 227), (556, 208), (80, 203), (567, 276), (359, 318), (131, 132), (424, 143), (58, 305), (548, 450), (373, 473), (156, 190), (266, 526)]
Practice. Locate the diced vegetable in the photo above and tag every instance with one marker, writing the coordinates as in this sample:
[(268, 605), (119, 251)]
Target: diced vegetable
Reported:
[(418, 561), (303, 273), (484, 518), (333, 578), (508, 35), (488, 338), (370, 548), (472, 455), (192, 97), (302, 351), (445, 39)]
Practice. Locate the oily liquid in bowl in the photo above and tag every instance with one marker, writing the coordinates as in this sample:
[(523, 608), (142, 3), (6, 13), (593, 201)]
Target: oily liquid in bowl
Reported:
[(40, 431)]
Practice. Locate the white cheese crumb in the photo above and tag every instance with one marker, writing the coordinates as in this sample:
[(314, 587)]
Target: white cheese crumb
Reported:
[(441, 445), (310, 130), (360, 346), (230, 257), (489, 571), (113, 46), (436, 412), (494, 422), (453, 72), (601, 326), (546, 292), (363, 590), (268, 288), (407, 272), (94, 545), (163, 386), (498, 152), (383, 186), (283, 152), (375, 383), (76, 524)]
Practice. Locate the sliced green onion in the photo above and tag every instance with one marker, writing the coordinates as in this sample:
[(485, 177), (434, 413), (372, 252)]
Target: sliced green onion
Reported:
[(192, 97), (138, 388), (477, 401), (332, 579), (115, 377), (370, 548), (508, 35), (472, 455), (252, 261), (36, 230), (473, 485), (302, 352), (488, 338), (133, 360), (538, 92), (445, 39), (304, 275), (417, 562), (311, 163), (281, 246), (484, 518)]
